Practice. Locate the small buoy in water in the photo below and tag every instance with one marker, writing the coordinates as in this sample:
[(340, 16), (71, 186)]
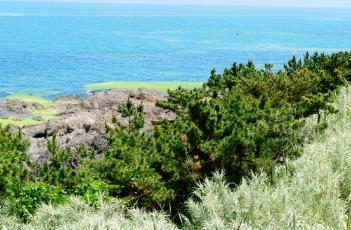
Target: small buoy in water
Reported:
[(237, 34)]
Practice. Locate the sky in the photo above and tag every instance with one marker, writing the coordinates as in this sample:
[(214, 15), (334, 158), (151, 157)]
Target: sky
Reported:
[(298, 3)]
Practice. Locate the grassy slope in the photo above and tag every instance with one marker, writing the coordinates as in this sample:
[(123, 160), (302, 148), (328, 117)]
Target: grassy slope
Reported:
[(312, 195)]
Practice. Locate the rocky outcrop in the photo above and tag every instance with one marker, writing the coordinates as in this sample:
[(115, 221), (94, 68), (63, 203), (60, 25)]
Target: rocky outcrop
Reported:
[(17, 106), (81, 121)]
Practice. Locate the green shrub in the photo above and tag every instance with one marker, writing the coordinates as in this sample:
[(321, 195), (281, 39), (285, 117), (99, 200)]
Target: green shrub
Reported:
[(15, 165), (131, 166), (247, 120), (29, 197), (62, 168), (92, 190)]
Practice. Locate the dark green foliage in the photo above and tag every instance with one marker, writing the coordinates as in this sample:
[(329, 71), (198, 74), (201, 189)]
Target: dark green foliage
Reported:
[(246, 120), (62, 167), (132, 166), (14, 163), (134, 116), (27, 198), (235, 132)]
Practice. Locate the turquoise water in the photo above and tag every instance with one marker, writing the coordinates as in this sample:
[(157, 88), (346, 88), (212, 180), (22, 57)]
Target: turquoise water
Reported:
[(55, 49)]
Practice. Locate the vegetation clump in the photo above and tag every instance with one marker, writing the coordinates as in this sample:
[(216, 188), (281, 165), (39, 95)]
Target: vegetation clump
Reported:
[(246, 122), (313, 194)]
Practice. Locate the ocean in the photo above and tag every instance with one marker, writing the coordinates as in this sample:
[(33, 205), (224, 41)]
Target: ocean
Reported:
[(53, 49)]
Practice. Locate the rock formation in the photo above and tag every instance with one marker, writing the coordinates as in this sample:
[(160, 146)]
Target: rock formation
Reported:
[(81, 121)]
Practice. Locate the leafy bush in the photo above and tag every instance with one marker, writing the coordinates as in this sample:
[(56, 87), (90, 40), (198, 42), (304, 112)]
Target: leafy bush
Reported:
[(30, 196), (92, 190)]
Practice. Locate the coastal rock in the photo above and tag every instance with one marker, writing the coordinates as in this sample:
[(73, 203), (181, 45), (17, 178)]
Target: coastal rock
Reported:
[(81, 121), (17, 106)]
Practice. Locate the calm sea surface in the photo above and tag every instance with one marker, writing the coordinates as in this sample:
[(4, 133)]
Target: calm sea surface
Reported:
[(55, 49)]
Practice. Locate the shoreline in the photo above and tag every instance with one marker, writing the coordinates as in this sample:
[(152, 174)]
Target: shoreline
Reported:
[(22, 110), (160, 86)]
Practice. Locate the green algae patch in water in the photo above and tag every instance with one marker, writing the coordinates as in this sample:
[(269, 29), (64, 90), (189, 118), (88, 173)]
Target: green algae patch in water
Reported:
[(37, 116), (161, 86)]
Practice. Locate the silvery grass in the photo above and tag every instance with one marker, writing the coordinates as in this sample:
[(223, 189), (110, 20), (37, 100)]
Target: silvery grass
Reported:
[(77, 214), (312, 194)]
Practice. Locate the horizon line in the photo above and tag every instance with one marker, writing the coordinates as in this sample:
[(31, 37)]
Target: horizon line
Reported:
[(176, 4)]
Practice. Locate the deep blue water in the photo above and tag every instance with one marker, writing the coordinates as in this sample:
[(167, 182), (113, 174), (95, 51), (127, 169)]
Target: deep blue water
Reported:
[(55, 49)]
